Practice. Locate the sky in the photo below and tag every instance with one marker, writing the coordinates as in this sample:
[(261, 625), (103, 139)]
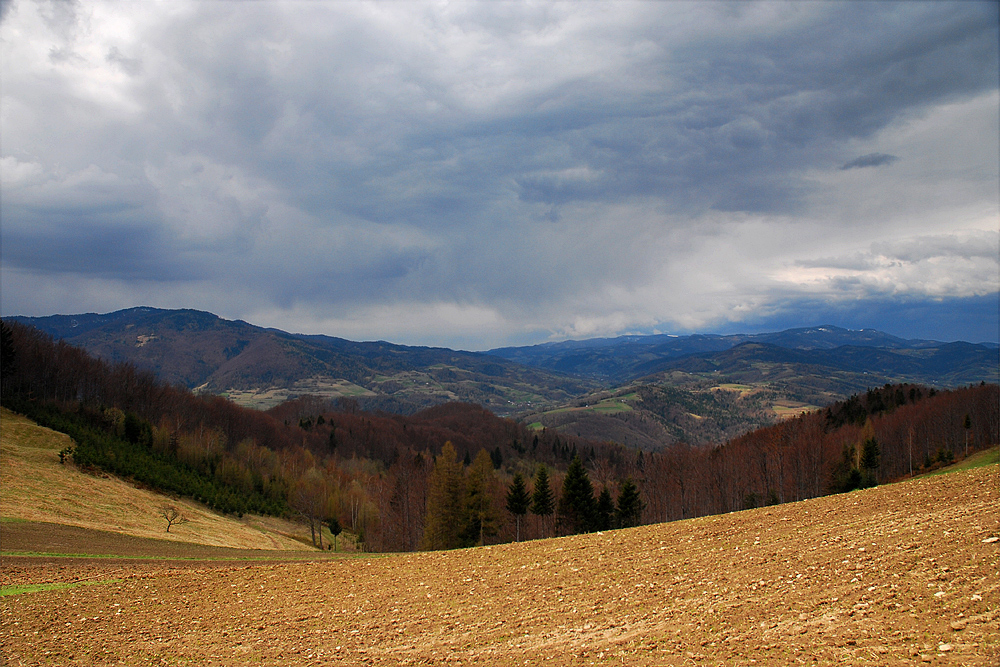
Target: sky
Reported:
[(475, 175)]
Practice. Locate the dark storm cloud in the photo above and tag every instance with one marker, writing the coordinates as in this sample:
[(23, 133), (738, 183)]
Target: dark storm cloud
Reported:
[(506, 157), (971, 319), (870, 160), (128, 253)]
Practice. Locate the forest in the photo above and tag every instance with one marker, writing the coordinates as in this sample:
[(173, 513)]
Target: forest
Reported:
[(456, 474)]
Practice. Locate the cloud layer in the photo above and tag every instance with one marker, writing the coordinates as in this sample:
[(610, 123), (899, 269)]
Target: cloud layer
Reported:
[(478, 174)]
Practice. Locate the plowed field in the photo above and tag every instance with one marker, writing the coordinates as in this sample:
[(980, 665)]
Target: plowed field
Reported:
[(899, 575)]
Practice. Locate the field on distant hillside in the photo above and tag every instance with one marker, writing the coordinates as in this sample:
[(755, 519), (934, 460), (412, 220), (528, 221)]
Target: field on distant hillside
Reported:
[(898, 575), (34, 486)]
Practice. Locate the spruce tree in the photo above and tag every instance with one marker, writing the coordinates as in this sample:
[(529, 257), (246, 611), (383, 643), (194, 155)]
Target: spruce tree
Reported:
[(542, 502), (443, 521), (518, 501), (870, 455), (576, 508), (630, 505), (604, 511)]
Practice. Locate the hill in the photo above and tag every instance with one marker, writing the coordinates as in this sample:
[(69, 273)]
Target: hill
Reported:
[(375, 472), (707, 389), (643, 391), (897, 575), (262, 367), (35, 487), (628, 358)]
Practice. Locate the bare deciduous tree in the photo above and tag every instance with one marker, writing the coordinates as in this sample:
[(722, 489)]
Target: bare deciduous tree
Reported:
[(172, 515)]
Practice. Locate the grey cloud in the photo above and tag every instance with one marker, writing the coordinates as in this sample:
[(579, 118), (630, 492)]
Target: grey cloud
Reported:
[(982, 245), (870, 160), (481, 129), (124, 253), (729, 128), (855, 262), (913, 250), (131, 66)]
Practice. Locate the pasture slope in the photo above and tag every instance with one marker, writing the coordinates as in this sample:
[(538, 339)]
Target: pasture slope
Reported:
[(35, 487), (902, 574)]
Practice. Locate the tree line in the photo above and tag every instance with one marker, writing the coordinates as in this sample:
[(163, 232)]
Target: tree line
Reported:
[(456, 475)]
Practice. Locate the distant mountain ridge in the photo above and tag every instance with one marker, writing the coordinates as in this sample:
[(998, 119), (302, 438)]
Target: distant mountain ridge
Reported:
[(261, 367), (641, 390), (628, 358)]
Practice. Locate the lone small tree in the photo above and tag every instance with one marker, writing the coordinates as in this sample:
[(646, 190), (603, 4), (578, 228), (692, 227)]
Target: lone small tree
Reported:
[(335, 529), (172, 515), (518, 501)]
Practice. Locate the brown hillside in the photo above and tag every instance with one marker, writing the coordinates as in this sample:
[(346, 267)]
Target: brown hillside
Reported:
[(898, 575), (34, 486)]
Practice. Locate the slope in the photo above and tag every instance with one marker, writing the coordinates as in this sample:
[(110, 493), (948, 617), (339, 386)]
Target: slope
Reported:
[(896, 575), (263, 367), (35, 487)]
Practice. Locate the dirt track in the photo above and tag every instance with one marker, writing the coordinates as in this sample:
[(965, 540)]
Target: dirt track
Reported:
[(901, 575)]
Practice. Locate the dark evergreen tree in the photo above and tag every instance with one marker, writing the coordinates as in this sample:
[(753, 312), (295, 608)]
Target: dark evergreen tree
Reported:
[(542, 502), (518, 501), (7, 352), (870, 455), (604, 511), (334, 525), (630, 506), (576, 508)]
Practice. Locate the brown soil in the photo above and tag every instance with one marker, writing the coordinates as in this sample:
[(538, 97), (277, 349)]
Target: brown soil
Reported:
[(54, 538), (900, 575)]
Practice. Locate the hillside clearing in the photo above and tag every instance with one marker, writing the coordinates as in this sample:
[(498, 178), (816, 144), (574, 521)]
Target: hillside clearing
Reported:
[(34, 486), (897, 575)]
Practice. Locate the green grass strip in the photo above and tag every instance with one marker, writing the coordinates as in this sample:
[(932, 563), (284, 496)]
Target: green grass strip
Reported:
[(977, 460), (34, 588)]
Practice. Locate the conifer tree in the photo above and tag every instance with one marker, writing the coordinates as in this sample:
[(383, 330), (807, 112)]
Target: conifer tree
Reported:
[(870, 455), (630, 505), (604, 510), (542, 502), (517, 502), (443, 521), (335, 529), (576, 508), (480, 517)]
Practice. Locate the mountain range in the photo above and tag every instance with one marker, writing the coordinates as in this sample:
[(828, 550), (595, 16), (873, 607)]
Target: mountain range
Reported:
[(639, 390)]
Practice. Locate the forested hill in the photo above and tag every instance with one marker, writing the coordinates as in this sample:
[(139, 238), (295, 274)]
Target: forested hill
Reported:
[(858, 358), (394, 480), (262, 367)]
